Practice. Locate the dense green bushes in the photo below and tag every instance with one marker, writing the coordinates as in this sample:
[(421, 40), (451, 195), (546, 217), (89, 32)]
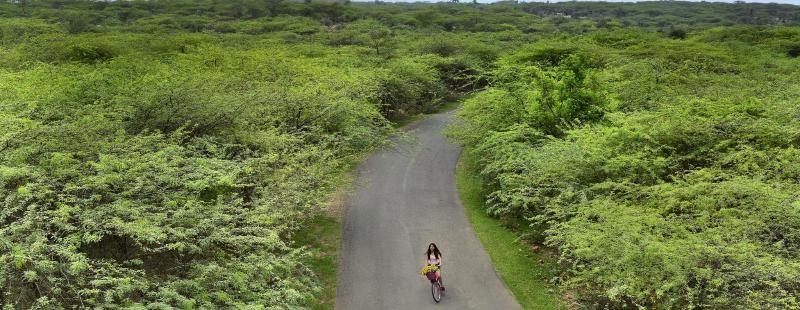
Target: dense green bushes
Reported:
[(298, 25), (463, 64), (177, 184), (13, 30), (683, 195), (548, 100)]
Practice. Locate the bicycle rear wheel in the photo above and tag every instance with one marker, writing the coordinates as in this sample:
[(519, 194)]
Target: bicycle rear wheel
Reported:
[(436, 291)]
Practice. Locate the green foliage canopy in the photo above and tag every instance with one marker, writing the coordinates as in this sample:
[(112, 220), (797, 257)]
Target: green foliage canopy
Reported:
[(676, 190)]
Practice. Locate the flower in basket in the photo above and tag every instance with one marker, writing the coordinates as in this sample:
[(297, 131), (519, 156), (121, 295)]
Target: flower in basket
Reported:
[(429, 268)]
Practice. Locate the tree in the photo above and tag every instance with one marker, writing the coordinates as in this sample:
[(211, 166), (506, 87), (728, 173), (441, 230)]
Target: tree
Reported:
[(371, 33), (677, 33), (794, 51), (77, 22), (556, 98)]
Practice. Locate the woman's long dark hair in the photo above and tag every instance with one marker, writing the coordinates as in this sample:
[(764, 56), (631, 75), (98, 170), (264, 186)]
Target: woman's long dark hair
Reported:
[(436, 252)]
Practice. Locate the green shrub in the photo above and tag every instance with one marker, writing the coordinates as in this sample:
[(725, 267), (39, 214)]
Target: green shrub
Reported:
[(441, 45), (462, 66), (622, 38), (677, 33), (89, 53), (794, 51), (57, 48), (408, 87), (555, 99), (77, 22), (365, 32), (545, 56)]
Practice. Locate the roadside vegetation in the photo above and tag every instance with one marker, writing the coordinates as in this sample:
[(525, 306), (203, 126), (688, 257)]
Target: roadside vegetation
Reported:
[(525, 268), (663, 170), (182, 154)]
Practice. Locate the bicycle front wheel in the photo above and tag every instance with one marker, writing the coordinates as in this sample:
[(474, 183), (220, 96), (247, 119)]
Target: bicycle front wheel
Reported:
[(436, 291)]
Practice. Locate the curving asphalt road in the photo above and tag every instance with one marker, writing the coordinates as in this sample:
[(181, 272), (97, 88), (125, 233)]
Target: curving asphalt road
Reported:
[(406, 198)]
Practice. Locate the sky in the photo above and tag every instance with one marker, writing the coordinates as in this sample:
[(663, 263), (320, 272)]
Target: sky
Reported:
[(795, 2)]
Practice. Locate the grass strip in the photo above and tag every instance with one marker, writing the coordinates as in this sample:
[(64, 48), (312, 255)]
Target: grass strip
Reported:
[(322, 237)]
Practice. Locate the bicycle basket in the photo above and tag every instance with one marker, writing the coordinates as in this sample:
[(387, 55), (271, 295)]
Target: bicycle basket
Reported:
[(431, 275)]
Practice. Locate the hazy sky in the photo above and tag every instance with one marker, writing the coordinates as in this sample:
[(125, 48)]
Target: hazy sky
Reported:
[(796, 2)]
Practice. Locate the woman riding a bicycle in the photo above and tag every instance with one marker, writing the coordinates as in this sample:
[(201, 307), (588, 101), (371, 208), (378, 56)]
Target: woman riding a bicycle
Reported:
[(434, 257)]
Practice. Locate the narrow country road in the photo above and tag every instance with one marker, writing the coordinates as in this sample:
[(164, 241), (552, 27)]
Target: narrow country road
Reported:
[(406, 198)]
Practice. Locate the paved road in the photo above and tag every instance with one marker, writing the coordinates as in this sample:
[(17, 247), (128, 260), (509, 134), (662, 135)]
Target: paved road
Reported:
[(406, 198)]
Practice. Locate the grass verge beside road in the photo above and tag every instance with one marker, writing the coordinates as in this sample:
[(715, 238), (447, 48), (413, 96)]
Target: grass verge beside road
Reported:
[(524, 271), (322, 237)]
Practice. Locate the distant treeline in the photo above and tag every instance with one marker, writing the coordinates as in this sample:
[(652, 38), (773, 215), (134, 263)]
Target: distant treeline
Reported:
[(213, 15)]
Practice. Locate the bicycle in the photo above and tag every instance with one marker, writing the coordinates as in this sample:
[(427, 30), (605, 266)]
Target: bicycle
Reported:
[(436, 286)]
